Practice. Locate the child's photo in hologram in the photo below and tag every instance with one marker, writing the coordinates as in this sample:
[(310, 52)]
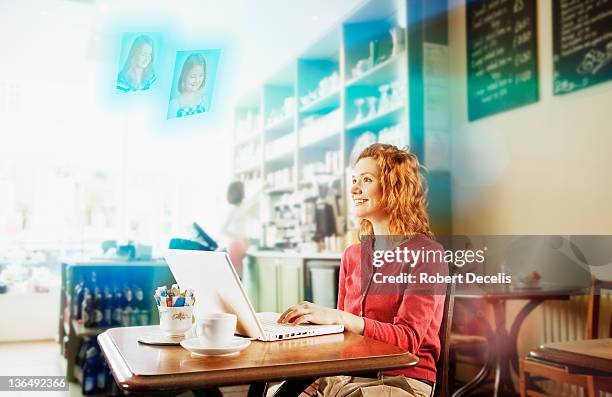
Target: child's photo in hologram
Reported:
[(192, 86), (137, 62)]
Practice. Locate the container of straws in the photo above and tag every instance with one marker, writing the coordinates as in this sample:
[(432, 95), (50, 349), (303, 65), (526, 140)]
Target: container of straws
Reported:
[(175, 309)]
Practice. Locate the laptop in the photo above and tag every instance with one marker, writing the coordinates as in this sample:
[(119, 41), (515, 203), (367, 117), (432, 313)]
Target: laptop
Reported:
[(217, 288)]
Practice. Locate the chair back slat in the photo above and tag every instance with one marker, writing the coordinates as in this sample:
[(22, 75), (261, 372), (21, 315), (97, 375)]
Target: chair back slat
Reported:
[(442, 386)]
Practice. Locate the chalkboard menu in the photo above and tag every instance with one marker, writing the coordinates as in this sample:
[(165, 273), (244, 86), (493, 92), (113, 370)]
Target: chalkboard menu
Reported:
[(582, 43), (501, 55)]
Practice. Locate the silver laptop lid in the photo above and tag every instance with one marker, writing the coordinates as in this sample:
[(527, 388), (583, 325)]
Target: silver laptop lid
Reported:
[(216, 286)]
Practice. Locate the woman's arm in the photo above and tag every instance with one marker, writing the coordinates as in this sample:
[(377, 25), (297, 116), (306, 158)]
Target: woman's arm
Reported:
[(410, 325), (308, 312), (419, 311)]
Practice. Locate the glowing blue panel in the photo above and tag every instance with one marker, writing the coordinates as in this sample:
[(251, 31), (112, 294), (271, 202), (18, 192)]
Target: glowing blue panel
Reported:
[(193, 82), (138, 61)]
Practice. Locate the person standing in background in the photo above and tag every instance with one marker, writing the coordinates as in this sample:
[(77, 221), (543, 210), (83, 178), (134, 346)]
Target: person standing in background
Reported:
[(239, 225), (138, 73)]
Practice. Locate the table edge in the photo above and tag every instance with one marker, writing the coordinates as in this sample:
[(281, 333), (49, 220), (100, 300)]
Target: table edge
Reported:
[(548, 353), (126, 380)]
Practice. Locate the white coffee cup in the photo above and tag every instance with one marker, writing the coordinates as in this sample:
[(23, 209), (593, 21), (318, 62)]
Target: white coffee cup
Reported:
[(216, 329)]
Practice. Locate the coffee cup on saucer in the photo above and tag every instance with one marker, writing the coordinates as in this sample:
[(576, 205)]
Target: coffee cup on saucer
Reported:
[(216, 329)]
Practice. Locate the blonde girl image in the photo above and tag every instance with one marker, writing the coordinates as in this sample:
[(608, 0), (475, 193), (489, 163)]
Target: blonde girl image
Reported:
[(137, 73)]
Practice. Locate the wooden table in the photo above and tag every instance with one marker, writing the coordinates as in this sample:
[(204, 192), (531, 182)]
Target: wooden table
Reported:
[(503, 356), (138, 367), (593, 356)]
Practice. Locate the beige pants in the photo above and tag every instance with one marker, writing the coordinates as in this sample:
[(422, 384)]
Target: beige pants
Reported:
[(347, 386)]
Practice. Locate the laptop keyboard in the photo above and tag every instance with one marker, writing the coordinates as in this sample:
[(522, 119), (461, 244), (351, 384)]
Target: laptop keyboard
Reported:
[(273, 326), (280, 331)]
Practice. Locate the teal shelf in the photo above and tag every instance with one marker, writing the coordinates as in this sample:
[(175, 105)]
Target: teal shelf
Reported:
[(328, 102), (380, 120), (283, 125), (381, 73)]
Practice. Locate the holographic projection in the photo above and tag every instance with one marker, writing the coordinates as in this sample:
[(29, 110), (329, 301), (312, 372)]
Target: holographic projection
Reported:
[(193, 83), (137, 62)]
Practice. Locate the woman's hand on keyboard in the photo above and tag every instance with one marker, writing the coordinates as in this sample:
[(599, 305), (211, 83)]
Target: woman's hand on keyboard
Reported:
[(307, 312)]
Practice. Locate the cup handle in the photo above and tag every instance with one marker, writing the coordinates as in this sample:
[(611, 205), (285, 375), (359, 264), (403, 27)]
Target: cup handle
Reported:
[(204, 327)]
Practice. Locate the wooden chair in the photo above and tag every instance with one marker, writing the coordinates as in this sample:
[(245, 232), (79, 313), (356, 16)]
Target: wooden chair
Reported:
[(471, 346), (442, 366), (532, 368)]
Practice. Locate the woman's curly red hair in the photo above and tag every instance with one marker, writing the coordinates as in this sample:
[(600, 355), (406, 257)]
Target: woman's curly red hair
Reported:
[(403, 193)]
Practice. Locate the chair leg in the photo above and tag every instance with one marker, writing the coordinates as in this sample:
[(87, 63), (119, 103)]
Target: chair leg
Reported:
[(591, 389), (522, 380), (452, 369)]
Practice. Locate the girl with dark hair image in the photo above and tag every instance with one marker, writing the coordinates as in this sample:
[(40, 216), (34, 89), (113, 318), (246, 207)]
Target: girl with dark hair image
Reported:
[(138, 73), (190, 98)]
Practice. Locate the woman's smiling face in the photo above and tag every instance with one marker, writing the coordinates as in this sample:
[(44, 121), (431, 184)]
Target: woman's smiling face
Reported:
[(195, 78), (366, 190)]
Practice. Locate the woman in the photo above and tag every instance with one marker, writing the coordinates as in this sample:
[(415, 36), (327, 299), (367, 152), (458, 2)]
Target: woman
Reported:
[(191, 98), (137, 73), (239, 224), (387, 191)]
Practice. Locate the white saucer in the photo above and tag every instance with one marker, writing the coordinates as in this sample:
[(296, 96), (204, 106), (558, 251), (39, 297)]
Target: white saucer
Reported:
[(197, 346)]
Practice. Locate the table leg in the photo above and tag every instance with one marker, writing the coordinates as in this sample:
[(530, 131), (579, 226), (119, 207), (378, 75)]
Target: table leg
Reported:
[(258, 389), (293, 388), (516, 327), (498, 360), (488, 366), (482, 375), (503, 378)]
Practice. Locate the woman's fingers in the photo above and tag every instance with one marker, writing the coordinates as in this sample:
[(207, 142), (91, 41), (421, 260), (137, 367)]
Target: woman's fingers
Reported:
[(291, 317), (291, 312), (284, 315), (303, 319)]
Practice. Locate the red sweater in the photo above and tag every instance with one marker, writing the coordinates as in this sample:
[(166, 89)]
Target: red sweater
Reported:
[(409, 321)]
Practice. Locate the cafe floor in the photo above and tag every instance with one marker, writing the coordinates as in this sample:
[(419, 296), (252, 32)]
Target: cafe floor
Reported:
[(43, 358)]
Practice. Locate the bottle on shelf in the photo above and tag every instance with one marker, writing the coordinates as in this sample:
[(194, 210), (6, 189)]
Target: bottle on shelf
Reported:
[(79, 360), (87, 308), (117, 306), (93, 284), (98, 313), (107, 308), (143, 311), (90, 371), (101, 377), (135, 313), (77, 298), (126, 315)]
